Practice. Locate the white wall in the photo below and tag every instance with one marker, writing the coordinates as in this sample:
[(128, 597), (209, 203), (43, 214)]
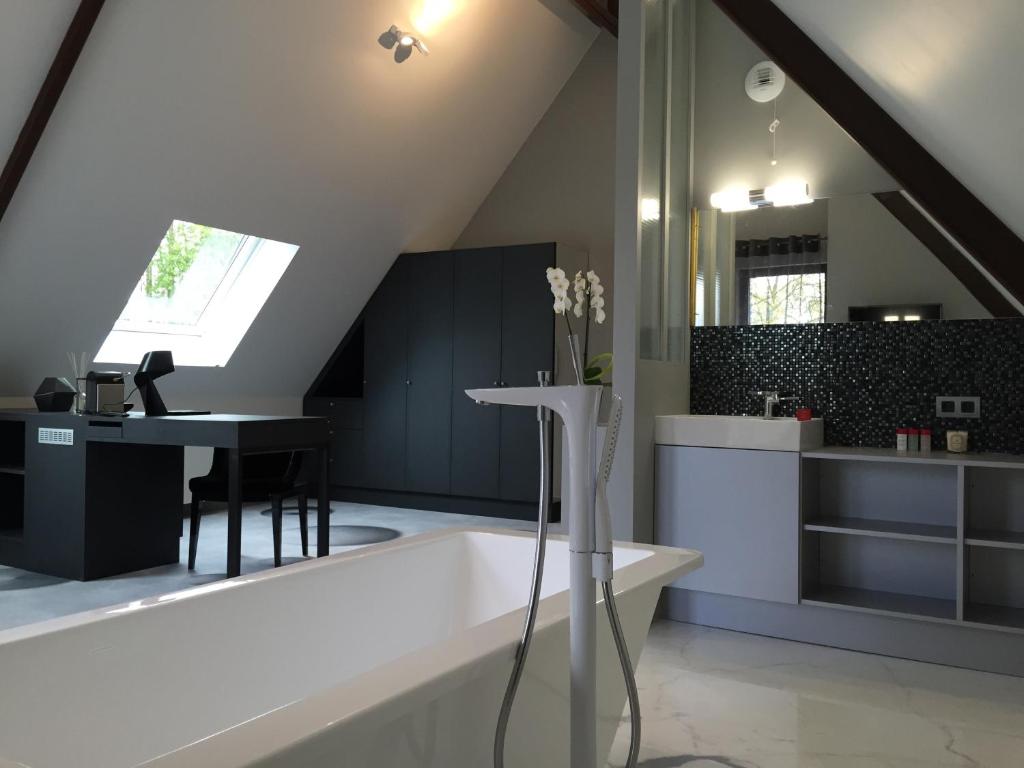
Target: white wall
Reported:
[(763, 223), (873, 259), (561, 185), (731, 131), (280, 119)]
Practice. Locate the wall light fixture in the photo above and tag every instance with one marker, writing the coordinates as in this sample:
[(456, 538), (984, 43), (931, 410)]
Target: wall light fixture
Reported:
[(785, 193), (402, 42)]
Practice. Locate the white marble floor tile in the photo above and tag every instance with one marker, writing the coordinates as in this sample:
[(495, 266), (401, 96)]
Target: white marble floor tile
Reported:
[(717, 698)]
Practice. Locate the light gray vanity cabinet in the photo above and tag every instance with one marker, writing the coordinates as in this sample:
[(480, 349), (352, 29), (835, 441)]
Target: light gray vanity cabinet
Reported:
[(741, 509)]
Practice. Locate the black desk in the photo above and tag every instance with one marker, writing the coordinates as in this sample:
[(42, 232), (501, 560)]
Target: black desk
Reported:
[(109, 499)]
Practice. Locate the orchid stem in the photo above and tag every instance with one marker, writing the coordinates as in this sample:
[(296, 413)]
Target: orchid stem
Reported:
[(586, 334)]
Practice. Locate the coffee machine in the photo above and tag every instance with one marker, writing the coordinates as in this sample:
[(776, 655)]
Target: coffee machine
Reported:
[(104, 392)]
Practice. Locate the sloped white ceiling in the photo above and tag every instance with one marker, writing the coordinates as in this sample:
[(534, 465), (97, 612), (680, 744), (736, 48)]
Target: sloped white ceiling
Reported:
[(280, 119), (948, 71), (30, 33)]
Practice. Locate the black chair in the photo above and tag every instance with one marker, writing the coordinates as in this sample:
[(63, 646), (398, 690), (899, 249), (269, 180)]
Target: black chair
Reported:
[(265, 476)]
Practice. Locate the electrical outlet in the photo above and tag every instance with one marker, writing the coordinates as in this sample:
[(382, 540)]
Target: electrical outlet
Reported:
[(50, 436), (947, 407)]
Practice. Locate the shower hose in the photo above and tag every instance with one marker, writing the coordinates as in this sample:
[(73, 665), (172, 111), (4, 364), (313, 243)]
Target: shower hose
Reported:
[(523, 649)]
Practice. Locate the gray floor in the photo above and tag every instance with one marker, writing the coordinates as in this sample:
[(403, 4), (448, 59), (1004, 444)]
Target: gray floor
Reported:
[(27, 597)]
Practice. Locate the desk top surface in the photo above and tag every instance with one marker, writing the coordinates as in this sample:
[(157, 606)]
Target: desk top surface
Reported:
[(20, 414), (228, 430)]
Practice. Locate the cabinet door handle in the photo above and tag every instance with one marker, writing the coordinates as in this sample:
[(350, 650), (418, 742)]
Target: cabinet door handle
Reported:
[(408, 382), (497, 384)]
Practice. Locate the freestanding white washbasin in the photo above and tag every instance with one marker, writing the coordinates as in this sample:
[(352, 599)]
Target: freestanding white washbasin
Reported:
[(751, 432), (392, 656)]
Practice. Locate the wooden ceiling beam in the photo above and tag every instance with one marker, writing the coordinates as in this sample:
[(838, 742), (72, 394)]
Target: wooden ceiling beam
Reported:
[(46, 100), (602, 14), (979, 286)]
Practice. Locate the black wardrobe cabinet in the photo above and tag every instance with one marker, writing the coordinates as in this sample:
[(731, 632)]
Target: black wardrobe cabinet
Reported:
[(404, 431)]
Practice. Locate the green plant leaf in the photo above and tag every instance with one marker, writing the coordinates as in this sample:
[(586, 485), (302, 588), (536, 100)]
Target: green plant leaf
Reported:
[(594, 372)]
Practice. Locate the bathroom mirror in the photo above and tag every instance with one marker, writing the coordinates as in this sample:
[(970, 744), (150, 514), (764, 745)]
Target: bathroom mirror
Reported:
[(833, 260), (842, 252)]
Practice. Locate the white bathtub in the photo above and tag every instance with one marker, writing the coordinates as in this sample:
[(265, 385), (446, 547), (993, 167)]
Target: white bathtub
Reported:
[(395, 655)]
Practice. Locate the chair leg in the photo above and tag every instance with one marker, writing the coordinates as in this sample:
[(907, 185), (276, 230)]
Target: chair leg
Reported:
[(193, 532), (275, 514), (304, 523)]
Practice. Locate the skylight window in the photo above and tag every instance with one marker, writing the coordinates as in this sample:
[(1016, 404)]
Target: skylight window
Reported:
[(198, 296)]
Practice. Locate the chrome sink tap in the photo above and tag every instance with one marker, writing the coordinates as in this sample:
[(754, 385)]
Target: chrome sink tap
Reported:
[(771, 399)]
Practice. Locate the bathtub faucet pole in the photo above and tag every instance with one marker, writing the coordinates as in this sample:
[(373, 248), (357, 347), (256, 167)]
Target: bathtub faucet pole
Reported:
[(578, 407)]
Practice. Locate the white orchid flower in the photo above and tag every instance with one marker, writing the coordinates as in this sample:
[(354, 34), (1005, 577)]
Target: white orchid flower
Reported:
[(579, 283), (589, 294), (559, 289)]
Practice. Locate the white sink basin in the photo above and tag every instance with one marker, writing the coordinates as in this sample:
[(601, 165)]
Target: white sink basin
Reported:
[(753, 432)]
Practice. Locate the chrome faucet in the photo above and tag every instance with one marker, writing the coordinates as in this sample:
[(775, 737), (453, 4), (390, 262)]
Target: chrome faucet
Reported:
[(771, 399)]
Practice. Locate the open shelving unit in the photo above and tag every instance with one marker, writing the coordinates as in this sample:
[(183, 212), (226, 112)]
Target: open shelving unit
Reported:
[(994, 547), (936, 537), (12, 481), (883, 529)]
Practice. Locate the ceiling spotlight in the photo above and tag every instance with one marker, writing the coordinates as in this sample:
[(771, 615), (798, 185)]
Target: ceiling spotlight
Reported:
[(404, 41)]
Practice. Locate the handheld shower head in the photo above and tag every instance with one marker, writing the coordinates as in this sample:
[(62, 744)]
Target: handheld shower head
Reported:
[(611, 438), (602, 511)]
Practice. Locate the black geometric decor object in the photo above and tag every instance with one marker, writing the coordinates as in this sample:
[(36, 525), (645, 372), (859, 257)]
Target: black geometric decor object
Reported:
[(55, 394)]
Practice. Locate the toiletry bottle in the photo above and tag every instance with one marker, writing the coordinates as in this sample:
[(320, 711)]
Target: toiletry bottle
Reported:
[(926, 441), (913, 440), (901, 439)]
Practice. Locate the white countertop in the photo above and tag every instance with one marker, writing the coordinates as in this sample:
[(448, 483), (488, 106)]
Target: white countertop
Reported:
[(740, 432), (842, 453)]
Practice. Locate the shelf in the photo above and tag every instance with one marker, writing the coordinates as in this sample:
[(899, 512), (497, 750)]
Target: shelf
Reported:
[(11, 470), (883, 529), (999, 539), (941, 458), (1000, 616), (883, 603)]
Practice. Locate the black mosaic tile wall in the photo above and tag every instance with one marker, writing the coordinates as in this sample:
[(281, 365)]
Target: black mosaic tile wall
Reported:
[(867, 379)]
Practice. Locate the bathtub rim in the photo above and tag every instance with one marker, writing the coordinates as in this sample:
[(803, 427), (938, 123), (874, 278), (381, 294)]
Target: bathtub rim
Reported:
[(449, 664), (626, 577)]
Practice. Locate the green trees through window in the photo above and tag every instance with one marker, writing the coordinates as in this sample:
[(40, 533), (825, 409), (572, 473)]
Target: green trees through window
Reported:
[(177, 252), (787, 298), (198, 295)]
